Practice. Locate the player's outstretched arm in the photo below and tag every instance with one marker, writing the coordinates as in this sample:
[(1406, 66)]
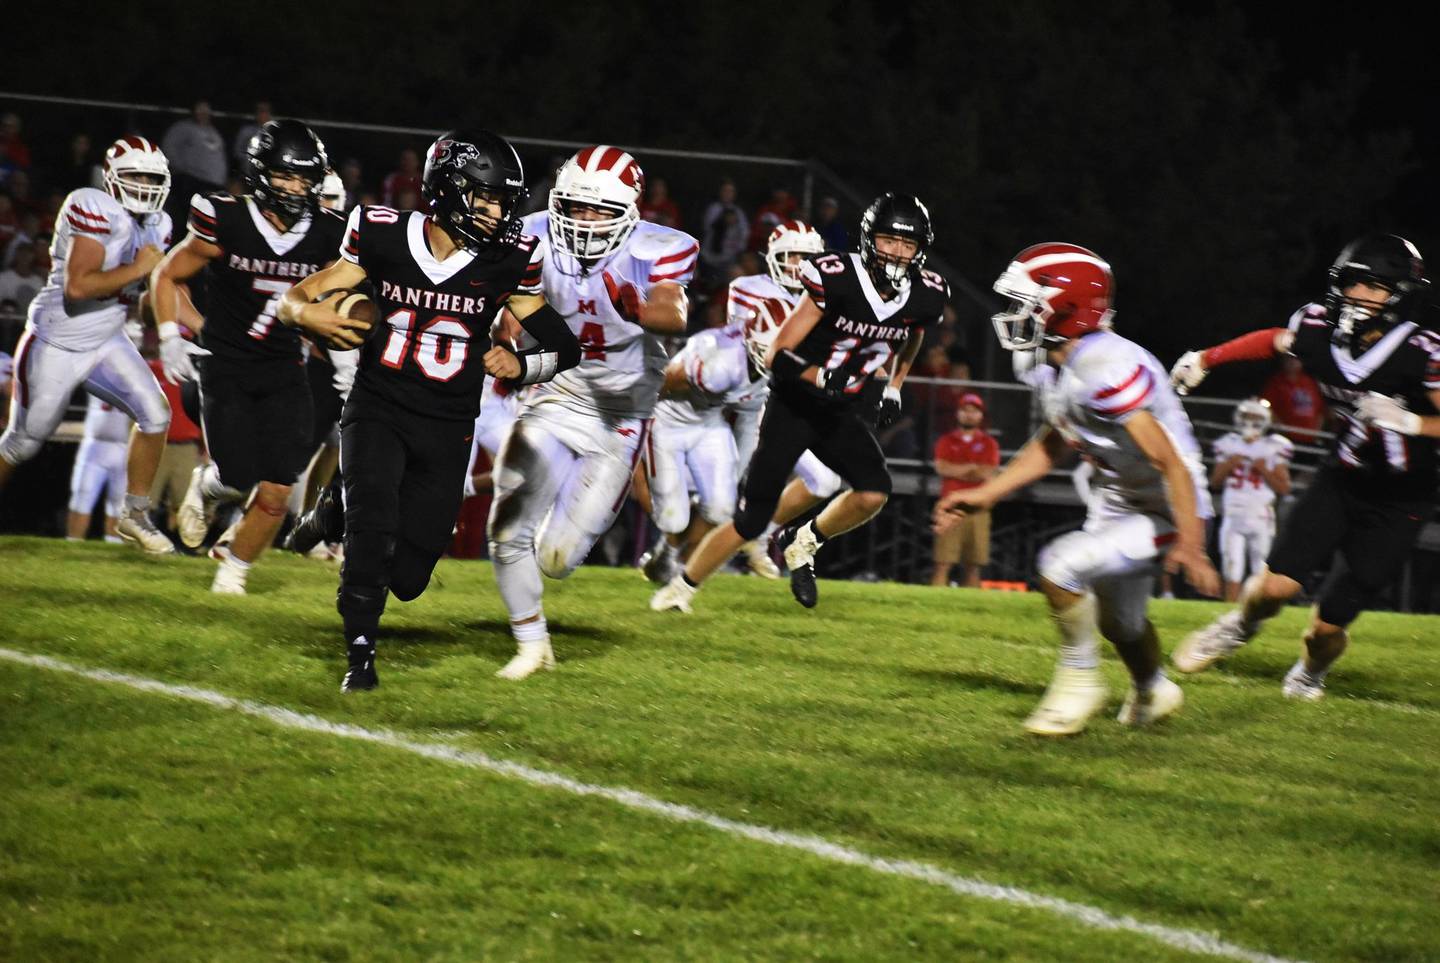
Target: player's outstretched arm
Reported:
[(1187, 555), (298, 308), (1030, 464), (558, 349), (1193, 366)]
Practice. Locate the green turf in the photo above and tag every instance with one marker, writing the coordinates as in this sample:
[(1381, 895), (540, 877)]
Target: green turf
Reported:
[(136, 827)]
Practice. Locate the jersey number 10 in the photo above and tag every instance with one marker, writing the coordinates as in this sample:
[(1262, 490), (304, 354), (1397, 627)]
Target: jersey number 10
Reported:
[(440, 346)]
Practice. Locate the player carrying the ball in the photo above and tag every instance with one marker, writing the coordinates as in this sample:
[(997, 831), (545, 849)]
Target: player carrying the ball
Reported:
[(441, 279)]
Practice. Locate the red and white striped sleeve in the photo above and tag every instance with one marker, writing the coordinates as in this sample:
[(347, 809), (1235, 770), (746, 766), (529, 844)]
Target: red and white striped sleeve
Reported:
[(350, 246), (202, 221), (1429, 342), (85, 217), (530, 281), (813, 282), (1123, 389), (742, 304), (676, 262)]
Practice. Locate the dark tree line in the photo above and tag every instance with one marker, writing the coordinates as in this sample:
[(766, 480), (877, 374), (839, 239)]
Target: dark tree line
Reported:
[(1168, 135)]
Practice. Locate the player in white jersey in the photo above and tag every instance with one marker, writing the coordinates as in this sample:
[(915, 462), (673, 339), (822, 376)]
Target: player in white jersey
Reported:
[(1252, 468), (99, 466), (105, 244), (1111, 400), (564, 472)]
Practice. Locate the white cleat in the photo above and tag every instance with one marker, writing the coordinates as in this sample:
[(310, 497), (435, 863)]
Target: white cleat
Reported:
[(531, 658), (674, 595), (229, 580), (137, 529), (757, 559), (1163, 699), (1073, 697), (1204, 647), (194, 515), (1299, 684)]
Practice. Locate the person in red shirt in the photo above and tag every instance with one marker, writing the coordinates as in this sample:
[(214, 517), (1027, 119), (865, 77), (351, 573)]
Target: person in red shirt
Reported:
[(658, 207), (964, 458), (405, 179), (1296, 401)]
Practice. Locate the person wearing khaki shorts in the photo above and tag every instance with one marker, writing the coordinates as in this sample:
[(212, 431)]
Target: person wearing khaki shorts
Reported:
[(964, 458)]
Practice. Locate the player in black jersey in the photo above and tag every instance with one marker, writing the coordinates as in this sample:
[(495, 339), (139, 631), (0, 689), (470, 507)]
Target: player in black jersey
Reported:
[(441, 280), (255, 400), (863, 317), (1380, 371)]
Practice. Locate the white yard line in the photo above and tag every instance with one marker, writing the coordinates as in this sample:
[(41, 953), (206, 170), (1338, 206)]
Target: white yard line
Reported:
[(1192, 941)]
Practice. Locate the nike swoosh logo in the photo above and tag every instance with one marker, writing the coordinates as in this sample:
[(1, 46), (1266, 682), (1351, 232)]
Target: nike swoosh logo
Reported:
[(477, 284)]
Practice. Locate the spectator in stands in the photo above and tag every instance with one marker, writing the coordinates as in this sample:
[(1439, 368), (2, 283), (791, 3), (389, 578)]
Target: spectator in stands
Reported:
[(351, 175), (959, 360), (406, 200), (80, 168), (781, 206), (657, 207), (12, 145), (19, 190), (196, 153), (964, 458), (1296, 401), (934, 405), (27, 229), (828, 223), (404, 178), (540, 190), (723, 233), (9, 221), (249, 129), (21, 281)]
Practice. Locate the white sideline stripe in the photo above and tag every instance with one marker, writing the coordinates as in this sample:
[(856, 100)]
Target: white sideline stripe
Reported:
[(1192, 941)]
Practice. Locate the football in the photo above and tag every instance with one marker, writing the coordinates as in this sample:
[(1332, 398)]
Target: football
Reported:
[(355, 305)]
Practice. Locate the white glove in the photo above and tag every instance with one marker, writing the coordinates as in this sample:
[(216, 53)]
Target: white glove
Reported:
[(345, 363), (177, 355), (1383, 411), (1188, 372)]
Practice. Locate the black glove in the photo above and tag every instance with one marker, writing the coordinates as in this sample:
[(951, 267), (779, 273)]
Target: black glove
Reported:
[(888, 411)]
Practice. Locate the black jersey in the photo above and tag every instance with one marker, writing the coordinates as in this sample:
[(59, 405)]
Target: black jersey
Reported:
[(1403, 362), (435, 316), (858, 330), (257, 265)]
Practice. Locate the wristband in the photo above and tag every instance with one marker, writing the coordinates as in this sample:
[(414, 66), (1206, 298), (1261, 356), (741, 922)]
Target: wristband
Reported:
[(168, 329), (788, 364), (537, 366)]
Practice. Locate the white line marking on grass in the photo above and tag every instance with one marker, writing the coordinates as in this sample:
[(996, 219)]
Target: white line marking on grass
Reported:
[(1192, 941)]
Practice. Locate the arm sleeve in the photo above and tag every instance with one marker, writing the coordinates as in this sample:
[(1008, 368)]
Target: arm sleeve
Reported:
[(203, 222), (677, 262), (1120, 388), (741, 305), (813, 282), (1431, 378), (350, 246), (83, 217), (530, 281), (557, 351)]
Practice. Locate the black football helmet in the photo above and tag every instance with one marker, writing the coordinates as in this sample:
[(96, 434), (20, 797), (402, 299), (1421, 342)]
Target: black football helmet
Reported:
[(458, 165), (1380, 259), (901, 215), (285, 147)]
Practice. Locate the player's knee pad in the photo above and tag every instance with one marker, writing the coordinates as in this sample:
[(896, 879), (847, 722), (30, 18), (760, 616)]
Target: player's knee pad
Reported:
[(1069, 562), (1342, 600), (560, 556), (153, 415), (670, 517), (717, 514), (16, 447)]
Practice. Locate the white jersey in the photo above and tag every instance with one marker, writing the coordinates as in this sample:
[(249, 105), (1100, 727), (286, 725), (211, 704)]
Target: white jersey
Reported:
[(1245, 491), (717, 366), (749, 295), (622, 366), (104, 422), (1104, 382), (87, 212)]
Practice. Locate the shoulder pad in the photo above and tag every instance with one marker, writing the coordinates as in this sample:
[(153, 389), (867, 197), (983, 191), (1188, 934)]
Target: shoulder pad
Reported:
[(1114, 376)]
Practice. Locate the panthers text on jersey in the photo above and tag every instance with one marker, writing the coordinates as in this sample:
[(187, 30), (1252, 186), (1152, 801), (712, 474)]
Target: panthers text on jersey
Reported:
[(258, 263), (1404, 362), (621, 364), (859, 331), (720, 374), (1104, 382), (94, 214), (1245, 491), (435, 316)]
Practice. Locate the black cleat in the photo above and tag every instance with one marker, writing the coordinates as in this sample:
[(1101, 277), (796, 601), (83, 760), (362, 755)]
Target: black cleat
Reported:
[(360, 677), (799, 552), (323, 523)]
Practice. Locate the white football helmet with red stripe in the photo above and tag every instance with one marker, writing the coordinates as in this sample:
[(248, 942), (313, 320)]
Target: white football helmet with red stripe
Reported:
[(1057, 292), (789, 244), (603, 178), (137, 175)]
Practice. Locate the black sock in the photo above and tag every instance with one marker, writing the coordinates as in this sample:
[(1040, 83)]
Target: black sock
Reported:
[(687, 581), (815, 530)]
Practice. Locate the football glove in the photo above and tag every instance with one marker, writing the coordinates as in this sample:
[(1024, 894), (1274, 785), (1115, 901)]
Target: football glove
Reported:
[(888, 411), (1188, 372), (177, 355), (1385, 412)]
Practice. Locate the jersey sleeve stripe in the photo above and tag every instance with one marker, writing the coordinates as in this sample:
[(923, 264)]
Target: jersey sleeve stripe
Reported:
[(1133, 399), (688, 269), (87, 227), (679, 256), (89, 215), (1115, 390)]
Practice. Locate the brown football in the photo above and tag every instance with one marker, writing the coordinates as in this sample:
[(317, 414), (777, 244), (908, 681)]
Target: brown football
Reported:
[(354, 305)]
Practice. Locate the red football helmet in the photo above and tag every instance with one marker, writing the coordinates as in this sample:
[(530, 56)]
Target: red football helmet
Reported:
[(1057, 292)]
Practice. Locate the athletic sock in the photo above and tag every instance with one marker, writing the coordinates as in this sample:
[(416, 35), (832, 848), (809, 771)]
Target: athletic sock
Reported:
[(1078, 648), (136, 503), (530, 631)]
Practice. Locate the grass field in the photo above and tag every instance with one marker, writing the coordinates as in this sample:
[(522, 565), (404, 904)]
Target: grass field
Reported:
[(135, 825)]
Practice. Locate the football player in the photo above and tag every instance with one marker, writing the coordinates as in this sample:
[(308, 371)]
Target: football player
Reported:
[(441, 278), (1108, 398), (1252, 469), (720, 369), (1380, 371), (105, 245), (860, 312), (255, 400), (99, 465), (565, 469)]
